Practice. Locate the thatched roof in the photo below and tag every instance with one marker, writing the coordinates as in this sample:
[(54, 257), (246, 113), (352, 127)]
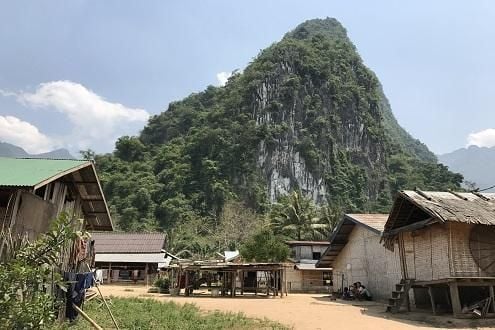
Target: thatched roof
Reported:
[(340, 236), (417, 209)]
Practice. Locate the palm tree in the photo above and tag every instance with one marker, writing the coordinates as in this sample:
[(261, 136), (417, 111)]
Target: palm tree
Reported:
[(296, 217)]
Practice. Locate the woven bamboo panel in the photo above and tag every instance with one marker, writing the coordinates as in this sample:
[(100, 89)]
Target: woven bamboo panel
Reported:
[(462, 259), (427, 253)]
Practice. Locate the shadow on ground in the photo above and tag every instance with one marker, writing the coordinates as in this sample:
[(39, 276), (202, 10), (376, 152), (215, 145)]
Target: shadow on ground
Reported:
[(415, 318)]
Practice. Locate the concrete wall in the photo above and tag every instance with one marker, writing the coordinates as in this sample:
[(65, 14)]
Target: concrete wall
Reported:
[(370, 263)]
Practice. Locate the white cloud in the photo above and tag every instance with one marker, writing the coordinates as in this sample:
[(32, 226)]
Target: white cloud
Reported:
[(95, 120), (484, 138), (223, 77), (25, 135)]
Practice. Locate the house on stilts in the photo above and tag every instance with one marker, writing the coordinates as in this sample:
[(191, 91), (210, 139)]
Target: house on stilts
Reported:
[(446, 246)]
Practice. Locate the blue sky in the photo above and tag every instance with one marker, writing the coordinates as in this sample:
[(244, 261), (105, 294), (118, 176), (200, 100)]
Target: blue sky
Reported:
[(80, 73)]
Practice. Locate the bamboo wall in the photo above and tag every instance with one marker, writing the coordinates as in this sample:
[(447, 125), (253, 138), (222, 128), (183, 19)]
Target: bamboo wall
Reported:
[(462, 262), (371, 264), (440, 251)]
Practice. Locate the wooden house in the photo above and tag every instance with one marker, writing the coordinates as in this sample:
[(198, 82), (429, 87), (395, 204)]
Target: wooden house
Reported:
[(446, 244), (356, 255), (129, 257), (35, 191), (301, 272)]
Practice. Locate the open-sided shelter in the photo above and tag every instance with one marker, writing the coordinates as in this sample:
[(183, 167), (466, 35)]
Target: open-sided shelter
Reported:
[(446, 244), (130, 256), (356, 255)]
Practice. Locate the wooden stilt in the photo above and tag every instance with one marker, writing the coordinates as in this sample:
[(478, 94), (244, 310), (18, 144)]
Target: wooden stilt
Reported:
[(454, 296), (432, 300)]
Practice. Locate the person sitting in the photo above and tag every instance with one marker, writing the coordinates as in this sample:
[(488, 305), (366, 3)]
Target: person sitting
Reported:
[(346, 295), (365, 294), (354, 290)]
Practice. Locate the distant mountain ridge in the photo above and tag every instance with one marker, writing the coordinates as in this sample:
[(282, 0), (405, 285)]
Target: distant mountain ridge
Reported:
[(475, 163), (10, 150)]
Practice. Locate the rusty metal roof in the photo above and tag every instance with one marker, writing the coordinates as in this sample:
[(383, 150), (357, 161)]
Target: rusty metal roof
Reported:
[(340, 236), (114, 242)]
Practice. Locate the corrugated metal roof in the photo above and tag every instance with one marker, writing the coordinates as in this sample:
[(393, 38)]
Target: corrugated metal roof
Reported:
[(375, 221), (113, 242), (28, 172), (307, 242), (131, 257), (302, 266), (340, 236)]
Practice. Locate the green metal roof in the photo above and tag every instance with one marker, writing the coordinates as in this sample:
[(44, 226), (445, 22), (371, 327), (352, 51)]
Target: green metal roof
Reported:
[(28, 172)]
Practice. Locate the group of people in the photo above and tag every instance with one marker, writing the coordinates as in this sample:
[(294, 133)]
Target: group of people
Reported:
[(356, 291)]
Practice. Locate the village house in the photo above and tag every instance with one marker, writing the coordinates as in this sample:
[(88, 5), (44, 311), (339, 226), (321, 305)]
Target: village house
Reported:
[(355, 254), (301, 273), (446, 244), (130, 257), (33, 192)]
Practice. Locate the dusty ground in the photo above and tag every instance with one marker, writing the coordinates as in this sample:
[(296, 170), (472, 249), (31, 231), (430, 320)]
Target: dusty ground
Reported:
[(309, 311)]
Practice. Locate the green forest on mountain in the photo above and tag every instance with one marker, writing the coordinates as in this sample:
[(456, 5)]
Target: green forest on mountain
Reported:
[(193, 170)]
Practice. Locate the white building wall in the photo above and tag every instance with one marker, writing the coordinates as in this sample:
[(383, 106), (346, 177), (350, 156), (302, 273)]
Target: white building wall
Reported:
[(370, 263)]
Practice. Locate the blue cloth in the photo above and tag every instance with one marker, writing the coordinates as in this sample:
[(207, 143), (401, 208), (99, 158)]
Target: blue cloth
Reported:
[(76, 291)]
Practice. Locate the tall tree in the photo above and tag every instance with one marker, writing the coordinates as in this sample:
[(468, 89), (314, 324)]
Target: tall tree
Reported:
[(297, 218)]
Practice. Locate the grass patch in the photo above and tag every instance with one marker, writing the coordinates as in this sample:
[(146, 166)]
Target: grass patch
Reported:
[(136, 313)]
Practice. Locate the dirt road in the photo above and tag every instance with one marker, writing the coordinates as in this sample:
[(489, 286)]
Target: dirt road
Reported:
[(307, 311)]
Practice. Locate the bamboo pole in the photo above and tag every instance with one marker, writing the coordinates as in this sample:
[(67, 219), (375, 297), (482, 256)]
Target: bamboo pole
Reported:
[(103, 298), (86, 317)]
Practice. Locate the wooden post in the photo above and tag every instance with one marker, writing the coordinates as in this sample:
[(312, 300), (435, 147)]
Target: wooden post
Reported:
[(432, 300), (492, 295), (146, 274), (285, 281), (275, 293), (109, 277), (454, 297), (281, 283), (186, 286), (242, 282), (232, 293)]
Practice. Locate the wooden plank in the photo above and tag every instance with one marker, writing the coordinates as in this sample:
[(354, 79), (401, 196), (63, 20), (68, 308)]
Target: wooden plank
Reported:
[(432, 300), (411, 227), (454, 297)]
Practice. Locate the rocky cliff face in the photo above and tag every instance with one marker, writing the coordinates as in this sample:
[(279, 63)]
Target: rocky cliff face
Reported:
[(306, 114)]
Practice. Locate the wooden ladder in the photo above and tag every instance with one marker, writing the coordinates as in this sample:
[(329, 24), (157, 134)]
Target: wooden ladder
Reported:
[(400, 296)]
